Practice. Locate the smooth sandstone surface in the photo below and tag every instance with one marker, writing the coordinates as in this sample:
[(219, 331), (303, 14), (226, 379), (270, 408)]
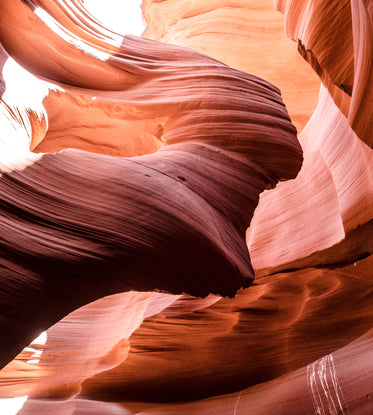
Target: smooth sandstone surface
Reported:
[(140, 197)]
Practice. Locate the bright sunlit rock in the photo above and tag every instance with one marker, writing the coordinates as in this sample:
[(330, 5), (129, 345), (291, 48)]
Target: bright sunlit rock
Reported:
[(121, 16), (12, 406)]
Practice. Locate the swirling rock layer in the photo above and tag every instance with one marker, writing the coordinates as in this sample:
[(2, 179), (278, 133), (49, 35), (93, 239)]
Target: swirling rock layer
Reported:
[(130, 170)]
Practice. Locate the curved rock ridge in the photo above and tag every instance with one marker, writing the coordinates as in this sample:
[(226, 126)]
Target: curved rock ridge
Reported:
[(325, 211), (246, 35), (274, 317), (174, 220), (156, 370), (87, 341), (158, 155), (343, 59), (342, 192)]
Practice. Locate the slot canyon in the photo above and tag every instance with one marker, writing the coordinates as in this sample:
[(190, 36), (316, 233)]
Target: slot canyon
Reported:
[(186, 214)]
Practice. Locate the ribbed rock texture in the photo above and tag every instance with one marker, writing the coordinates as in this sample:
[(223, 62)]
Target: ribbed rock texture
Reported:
[(140, 196)]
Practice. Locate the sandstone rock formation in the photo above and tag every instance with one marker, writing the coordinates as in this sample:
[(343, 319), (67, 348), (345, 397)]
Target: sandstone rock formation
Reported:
[(130, 170)]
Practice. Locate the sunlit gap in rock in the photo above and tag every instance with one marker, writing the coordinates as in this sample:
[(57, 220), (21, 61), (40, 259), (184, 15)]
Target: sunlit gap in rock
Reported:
[(12, 406), (21, 88), (121, 16), (65, 35), (35, 349)]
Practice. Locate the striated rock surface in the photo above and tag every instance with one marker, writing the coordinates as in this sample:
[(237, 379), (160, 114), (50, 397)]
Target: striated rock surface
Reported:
[(336, 154), (173, 220), (130, 170)]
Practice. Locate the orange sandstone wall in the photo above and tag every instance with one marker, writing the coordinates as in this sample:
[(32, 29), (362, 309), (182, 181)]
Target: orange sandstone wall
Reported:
[(139, 186)]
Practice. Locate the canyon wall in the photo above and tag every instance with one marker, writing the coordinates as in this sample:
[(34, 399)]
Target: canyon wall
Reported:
[(186, 217)]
